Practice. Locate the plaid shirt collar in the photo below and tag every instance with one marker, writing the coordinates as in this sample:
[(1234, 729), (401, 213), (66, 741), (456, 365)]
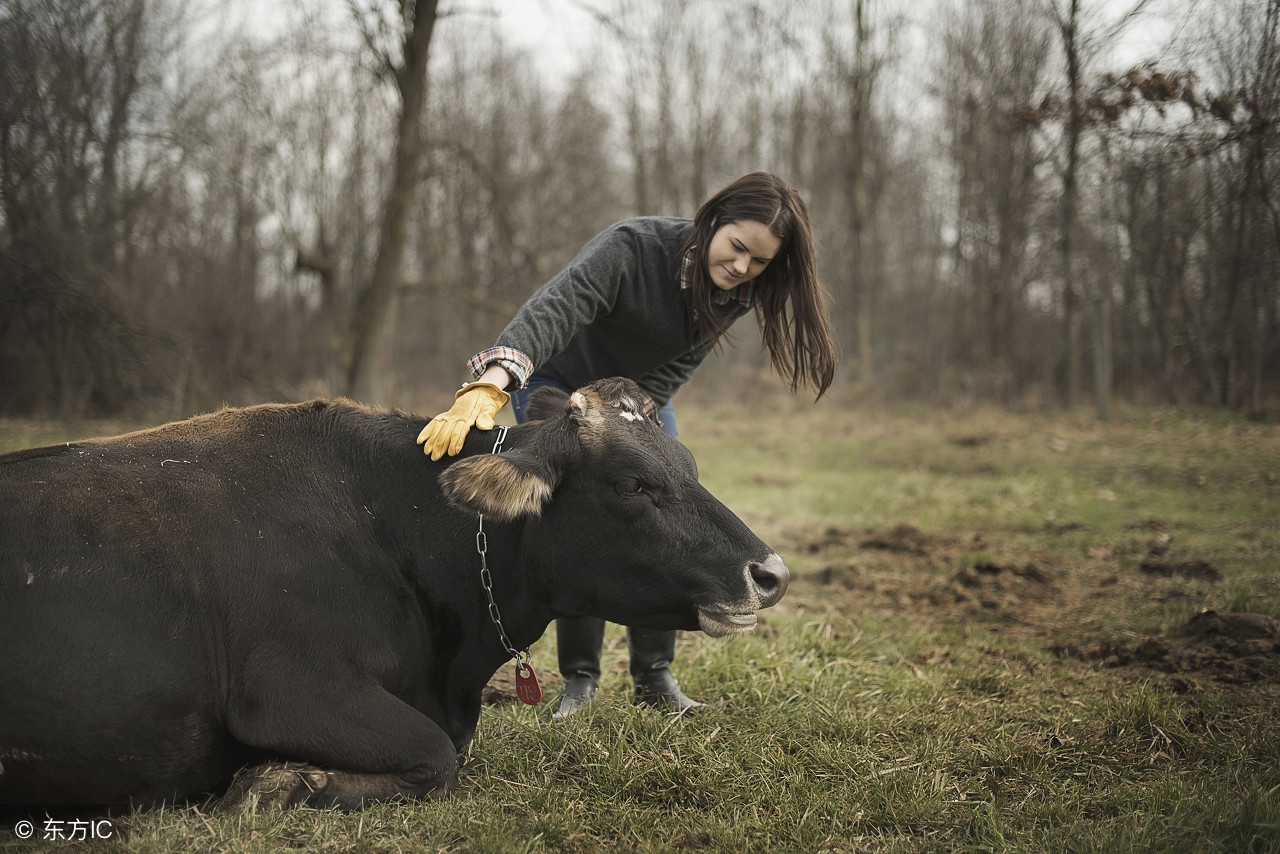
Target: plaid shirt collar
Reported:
[(743, 294)]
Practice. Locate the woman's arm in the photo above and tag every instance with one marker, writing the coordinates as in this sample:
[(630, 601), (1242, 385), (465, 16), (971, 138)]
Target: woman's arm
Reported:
[(572, 299), (495, 374)]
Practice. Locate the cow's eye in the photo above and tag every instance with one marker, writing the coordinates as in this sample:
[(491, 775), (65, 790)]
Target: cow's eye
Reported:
[(630, 488)]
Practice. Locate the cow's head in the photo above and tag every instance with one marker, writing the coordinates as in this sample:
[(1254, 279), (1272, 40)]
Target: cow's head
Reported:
[(618, 526)]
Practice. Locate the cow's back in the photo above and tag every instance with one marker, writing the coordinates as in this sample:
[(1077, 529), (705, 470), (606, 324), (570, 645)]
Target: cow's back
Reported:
[(136, 571), (144, 509)]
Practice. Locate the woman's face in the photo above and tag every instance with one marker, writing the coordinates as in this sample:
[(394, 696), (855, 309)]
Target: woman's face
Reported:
[(739, 251)]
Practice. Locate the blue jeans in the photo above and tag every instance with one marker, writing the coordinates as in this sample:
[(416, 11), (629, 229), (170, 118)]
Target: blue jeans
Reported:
[(520, 403)]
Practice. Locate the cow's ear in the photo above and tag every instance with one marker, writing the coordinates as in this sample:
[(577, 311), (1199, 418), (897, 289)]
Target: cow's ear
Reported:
[(505, 487), (546, 402)]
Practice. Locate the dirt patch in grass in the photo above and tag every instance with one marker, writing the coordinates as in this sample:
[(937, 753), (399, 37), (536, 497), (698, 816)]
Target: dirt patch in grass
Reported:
[(1077, 611), (1230, 648), (1187, 569), (930, 576)]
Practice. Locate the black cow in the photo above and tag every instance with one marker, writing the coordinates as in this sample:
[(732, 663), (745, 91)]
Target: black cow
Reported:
[(299, 582)]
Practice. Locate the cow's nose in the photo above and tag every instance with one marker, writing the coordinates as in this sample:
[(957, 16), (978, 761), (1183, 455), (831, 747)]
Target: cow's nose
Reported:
[(770, 577)]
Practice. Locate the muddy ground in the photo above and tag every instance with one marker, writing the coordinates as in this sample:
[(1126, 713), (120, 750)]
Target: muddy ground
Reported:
[(1079, 612)]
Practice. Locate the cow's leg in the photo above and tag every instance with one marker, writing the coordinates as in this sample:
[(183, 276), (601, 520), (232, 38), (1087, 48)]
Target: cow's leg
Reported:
[(289, 784), (370, 745)]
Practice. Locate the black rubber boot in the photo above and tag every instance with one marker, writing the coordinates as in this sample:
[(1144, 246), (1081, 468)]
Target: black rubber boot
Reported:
[(578, 642), (651, 654)]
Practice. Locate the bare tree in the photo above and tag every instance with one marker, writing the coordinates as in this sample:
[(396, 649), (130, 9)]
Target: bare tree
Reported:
[(400, 39), (852, 169), (74, 79), (1202, 231), (995, 59), (1244, 39), (861, 78), (1081, 40)]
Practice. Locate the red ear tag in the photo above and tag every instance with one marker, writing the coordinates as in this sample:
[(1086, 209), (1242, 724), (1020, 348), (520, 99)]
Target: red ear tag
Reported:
[(527, 687)]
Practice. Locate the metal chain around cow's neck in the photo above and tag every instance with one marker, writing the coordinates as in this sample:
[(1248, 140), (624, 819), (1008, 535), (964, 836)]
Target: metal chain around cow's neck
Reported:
[(486, 579)]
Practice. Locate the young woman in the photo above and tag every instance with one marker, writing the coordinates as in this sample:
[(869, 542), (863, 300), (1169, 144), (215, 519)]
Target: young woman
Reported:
[(649, 298)]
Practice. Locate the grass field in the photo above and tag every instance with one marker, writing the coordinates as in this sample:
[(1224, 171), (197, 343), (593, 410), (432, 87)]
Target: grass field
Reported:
[(1004, 633)]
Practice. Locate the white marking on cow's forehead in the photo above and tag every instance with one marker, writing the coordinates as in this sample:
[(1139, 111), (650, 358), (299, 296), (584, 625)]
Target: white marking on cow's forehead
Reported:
[(589, 410), (630, 409)]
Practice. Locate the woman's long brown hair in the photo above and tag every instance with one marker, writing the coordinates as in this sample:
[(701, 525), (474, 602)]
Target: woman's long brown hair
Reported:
[(792, 304)]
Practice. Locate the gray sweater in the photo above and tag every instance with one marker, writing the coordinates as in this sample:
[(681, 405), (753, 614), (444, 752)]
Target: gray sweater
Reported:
[(618, 309)]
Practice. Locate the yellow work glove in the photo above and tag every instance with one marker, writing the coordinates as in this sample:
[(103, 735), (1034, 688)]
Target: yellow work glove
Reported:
[(475, 403)]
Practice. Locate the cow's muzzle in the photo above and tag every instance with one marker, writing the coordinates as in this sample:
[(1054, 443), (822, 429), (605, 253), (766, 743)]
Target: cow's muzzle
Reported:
[(766, 582)]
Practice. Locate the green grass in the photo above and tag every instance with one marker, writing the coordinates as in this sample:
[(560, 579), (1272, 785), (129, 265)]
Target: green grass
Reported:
[(906, 695)]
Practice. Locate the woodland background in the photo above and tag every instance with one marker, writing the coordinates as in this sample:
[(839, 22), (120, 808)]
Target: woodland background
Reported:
[(1013, 206)]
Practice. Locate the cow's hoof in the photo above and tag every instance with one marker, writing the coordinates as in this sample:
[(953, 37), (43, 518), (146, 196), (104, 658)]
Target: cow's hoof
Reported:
[(660, 690), (578, 691), (274, 785)]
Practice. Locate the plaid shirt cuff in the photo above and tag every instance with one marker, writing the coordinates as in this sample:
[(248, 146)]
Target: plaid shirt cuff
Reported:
[(649, 409), (513, 361)]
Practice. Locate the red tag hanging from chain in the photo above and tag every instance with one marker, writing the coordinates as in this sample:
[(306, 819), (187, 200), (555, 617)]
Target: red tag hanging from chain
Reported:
[(527, 687)]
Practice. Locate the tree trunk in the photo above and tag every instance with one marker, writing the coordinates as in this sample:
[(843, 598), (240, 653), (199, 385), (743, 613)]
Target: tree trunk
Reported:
[(860, 84), (1102, 353), (1070, 187), (369, 314)]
